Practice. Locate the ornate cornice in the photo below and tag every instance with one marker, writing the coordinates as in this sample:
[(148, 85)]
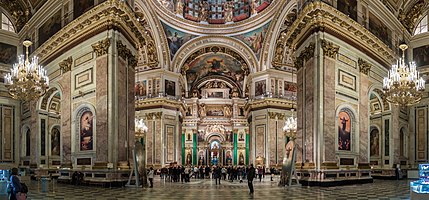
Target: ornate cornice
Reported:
[(160, 103), (270, 103), (319, 16), (304, 56), (201, 28), (101, 47), (125, 53), (66, 64), (364, 66), (330, 49), (111, 14)]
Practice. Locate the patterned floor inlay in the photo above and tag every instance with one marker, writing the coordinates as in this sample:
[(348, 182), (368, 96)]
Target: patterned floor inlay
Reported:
[(206, 189)]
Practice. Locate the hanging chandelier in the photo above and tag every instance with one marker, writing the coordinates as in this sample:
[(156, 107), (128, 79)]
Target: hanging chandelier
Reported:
[(27, 80), (403, 85), (290, 126)]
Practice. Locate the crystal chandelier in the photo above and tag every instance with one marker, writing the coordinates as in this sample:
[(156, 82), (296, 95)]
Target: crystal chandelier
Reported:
[(403, 85), (140, 128), (290, 126), (27, 80)]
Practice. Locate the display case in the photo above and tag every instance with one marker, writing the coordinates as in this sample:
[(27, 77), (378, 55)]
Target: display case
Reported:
[(420, 188)]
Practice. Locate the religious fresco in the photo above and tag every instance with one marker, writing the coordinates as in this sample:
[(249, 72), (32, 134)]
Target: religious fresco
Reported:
[(215, 64), (260, 88), (215, 110), (55, 142), (290, 88), (50, 27), (86, 131), (374, 142), (380, 30), (8, 54), (348, 7), (81, 6), (421, 55), (344, 129), (140, 88), (170, 88), (175, 39), (255, 39)]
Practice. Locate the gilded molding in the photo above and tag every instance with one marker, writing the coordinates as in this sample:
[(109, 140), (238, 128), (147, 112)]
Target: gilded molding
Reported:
[(19, 13), (364, 66), (319, 16), (101, 47), (66, 64), (330, 49), (408, 19), (123, 51)]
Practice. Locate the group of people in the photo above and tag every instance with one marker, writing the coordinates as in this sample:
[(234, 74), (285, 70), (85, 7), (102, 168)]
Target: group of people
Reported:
[(227, 173)]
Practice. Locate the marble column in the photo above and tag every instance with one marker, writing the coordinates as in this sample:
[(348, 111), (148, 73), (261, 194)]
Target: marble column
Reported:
[(363, 119), (329, 128), (66, 113), (394, 135)]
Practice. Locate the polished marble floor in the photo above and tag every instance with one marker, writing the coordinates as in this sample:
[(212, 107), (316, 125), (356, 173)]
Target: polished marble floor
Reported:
[(206, 189)]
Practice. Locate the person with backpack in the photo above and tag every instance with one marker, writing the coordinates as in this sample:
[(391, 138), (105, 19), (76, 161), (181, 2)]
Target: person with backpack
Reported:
[(18, 189)]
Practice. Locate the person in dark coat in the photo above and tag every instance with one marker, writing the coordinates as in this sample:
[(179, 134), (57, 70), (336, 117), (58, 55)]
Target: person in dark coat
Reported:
[(250, 177), (15, 183)]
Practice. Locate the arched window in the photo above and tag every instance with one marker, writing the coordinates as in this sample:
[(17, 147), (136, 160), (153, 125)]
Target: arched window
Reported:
[(422, 27), (6, 24)]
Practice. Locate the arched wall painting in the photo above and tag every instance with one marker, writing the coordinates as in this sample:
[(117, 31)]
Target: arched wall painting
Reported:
[(86, 131), (374, 142), (344, 129), (55, 142)]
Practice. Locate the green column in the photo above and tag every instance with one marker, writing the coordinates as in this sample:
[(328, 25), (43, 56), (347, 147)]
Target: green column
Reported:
[(235, 149), (247, 148), (194, 154), (183, 149)]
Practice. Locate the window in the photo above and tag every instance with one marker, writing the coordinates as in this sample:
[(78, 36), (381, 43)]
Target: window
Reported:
[(422, 27), (6, 24)]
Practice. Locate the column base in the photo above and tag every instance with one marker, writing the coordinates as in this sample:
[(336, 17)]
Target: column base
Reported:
[(327, 178)]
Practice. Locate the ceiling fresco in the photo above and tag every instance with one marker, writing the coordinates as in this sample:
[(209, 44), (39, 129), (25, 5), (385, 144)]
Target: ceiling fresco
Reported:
[(255, 39), (175, 38), (215, 64)]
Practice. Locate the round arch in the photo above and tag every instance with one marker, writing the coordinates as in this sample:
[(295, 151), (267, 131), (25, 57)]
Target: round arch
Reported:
[(199, 43)]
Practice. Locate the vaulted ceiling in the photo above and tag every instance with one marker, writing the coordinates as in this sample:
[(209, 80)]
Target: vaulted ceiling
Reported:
[(21, 10)]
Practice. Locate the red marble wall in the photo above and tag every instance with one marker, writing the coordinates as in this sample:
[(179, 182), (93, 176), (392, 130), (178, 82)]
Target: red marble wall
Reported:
[(66, 113), (329, 128), (363, 119), (121, 93), (101, 108)]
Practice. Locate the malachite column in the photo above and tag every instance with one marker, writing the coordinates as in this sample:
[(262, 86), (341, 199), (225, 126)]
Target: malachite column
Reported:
[(247, 148), (194, 152), (235, 149), (183, 149)]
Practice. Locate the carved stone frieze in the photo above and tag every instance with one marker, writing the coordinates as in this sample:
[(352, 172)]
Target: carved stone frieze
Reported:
[(364, 66), (330, 49), (153, 115), (101, 47), (66, 64)]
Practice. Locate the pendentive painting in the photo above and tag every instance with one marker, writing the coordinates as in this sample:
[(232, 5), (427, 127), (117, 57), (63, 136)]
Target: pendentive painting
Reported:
[(8, 53), (348, 7), (380, 30), (81, 6), (344, 129), (254, 39), (140, 88), (50, 27), (55, 142), (86, 131), (170, 88), (175, 39), (374, 142), (260, 88), (421, 56), (290, 88)]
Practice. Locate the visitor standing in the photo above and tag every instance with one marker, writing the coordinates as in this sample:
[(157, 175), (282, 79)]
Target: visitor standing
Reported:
[(250, 177), (150, 176), (15, 185)]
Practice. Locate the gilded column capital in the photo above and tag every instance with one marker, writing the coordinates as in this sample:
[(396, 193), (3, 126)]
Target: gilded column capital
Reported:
[(304, 56), (101, 47), (330, 49), (66, 64), (123, 51), (364, 66)]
